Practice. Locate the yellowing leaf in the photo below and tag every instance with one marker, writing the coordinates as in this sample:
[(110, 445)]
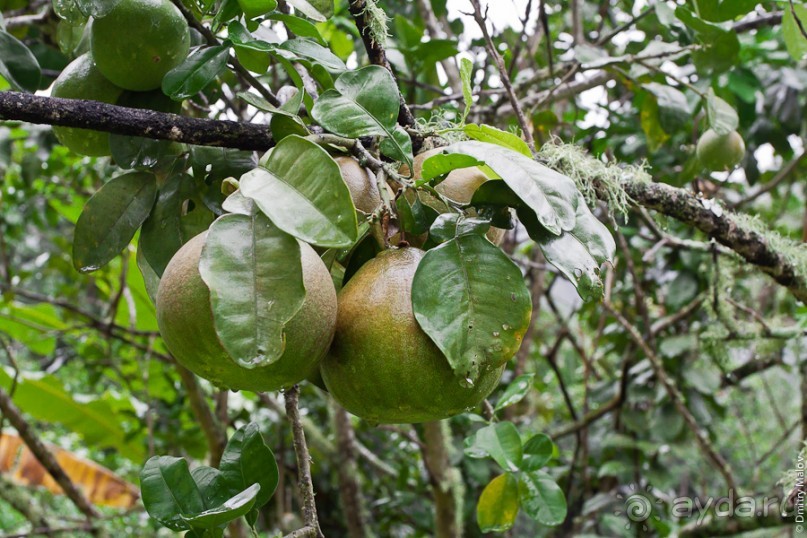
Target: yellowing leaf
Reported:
[(100, 485)]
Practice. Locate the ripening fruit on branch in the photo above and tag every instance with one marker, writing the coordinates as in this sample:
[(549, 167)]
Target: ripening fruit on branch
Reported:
[(185, 319), (362, 185), (720, 153), (139, 41), (382, 367), (82, 80)]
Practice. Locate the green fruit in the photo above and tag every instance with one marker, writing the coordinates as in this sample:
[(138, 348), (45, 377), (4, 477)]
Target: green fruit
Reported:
[(719, 153), (185, 319), (139, 41), (382, 367), (82, 80)]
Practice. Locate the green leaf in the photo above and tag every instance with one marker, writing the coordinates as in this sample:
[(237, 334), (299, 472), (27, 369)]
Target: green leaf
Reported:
[(651, 124), (673, 107), (236, 506), (497, 508), (492, 135), (312, 52), (196, 72), (172, 222), (795, 41), (255, 276), (298, 25), (499, 441), (318, 10), (466, 71), (97, 420), (247, 460), (111, 218), (471, 300), (538, 451), (34, 326), (364, 102), (447, 226), (442, 164), (256, 8), (515, 391), (301, 189), (541, 498), (18, 65), (169, 491), (723, 118), (577, 253), (551, 195)]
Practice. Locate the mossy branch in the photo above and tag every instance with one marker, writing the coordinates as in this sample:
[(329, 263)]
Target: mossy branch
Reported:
[(133, 121)]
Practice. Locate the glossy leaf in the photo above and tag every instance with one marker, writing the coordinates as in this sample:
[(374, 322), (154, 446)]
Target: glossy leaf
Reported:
[(447, 226), (298, 25), (538, 451), (541, 498), (515, 391), (442, 163), (497, 508), (301, 189), (110, 219), (18, 65), (552, 196), (318, 10), (471, 300), (256, 8), (577, 253), (723, 118), (499, 441), (491, 135), (306, 49), (196, 72), (364, 102), (246, 461), (168, 491), (236, 506), (255, 277), (673, 108)]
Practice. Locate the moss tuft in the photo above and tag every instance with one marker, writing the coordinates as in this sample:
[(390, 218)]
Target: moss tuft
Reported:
[(592, 175)]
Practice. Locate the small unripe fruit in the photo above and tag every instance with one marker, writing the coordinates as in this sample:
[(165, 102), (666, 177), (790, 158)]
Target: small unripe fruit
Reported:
[(720, 153)]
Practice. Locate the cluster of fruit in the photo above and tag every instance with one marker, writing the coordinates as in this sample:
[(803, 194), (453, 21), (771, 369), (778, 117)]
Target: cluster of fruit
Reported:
[(131, 49), (364, 345)]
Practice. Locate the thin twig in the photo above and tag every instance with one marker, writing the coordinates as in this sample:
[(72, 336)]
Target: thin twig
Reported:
[(497, 58), (305, 482)]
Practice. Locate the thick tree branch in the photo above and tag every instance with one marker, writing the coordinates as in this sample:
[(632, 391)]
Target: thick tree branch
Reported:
[(444, 480), (726, 228), (44, 456), (210, 424), (133, 121)]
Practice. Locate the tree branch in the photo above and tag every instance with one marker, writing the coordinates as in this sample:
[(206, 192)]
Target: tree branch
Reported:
[(726, 228), (211, 426), (133, 121), (377, 54), (44, 456), (305, 483)]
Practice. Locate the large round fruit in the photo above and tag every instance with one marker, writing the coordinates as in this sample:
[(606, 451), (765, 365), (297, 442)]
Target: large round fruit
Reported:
[(362, 185), (82, 80), (139, 41), (719, 153), (185, 319), (382, 367)]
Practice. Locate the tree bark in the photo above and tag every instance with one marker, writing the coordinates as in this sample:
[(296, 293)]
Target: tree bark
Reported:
[(350, 493)]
